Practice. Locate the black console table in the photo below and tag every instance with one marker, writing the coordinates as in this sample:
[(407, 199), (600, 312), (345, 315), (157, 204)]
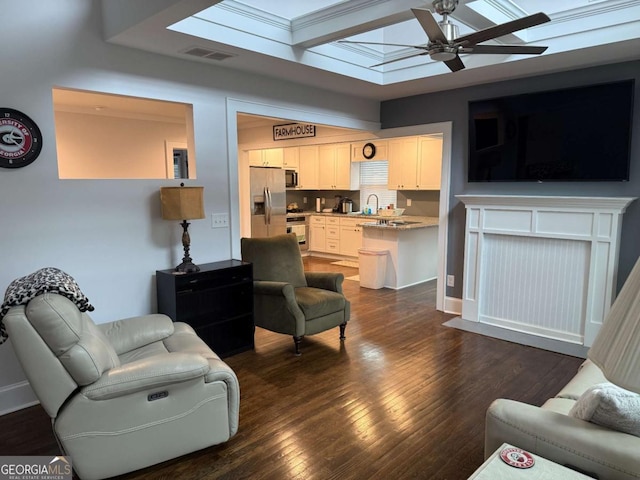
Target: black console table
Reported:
[(217, 302)]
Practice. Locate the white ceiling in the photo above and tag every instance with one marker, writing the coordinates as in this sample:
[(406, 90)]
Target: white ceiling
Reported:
[(297, 40)]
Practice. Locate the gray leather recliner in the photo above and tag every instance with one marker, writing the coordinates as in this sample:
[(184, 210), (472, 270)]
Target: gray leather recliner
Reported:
[(122, 395)]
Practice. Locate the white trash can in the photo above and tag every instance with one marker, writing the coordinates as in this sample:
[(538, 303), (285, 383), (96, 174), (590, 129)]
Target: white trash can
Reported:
[(373, 267)]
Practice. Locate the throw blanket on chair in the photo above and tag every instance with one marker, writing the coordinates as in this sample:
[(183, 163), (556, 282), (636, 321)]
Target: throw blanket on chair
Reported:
[(50, 279)]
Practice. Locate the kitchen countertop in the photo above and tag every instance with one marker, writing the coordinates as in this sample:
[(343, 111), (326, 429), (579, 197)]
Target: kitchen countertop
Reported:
[(413, 222), (370, 221)]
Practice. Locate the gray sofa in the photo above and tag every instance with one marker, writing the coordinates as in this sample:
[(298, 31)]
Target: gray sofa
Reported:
[(550, 432), (126, 394)]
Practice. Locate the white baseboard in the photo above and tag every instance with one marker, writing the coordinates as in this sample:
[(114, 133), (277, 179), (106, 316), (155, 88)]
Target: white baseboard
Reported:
[(16, 397), (537, 341), (453, 305)]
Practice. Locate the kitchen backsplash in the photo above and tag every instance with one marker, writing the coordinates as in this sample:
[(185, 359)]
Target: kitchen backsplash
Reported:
[(298, 196), (423, 203)]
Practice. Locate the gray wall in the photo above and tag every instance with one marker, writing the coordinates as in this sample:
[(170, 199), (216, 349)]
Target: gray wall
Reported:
[(452, 106)]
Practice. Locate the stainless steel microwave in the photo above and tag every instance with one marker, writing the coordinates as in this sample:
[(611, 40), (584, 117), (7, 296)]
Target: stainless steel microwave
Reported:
[(291, 178)]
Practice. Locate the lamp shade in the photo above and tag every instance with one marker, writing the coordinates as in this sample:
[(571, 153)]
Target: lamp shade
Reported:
[(182, 203), (616, 349)]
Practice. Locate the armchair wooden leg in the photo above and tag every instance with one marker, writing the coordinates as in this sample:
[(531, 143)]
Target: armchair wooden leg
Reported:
[(343, 326), (297, 341)]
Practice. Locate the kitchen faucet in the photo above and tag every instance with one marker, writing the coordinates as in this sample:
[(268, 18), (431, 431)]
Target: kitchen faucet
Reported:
[(377, 201)]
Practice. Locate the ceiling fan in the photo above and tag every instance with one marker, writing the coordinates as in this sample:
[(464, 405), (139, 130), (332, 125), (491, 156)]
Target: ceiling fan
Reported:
[(445, 45)]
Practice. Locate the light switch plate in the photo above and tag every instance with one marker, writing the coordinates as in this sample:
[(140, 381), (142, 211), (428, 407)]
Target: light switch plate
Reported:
[(219, 220)]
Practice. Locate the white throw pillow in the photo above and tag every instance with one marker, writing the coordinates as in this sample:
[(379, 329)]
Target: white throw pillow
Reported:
[(610, 406)]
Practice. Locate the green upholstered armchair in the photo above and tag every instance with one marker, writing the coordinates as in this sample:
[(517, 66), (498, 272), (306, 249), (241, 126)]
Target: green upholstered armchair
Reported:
[(288, 300)]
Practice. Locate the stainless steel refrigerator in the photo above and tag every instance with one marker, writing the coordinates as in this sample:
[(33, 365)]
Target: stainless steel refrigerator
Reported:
[(268, 202)]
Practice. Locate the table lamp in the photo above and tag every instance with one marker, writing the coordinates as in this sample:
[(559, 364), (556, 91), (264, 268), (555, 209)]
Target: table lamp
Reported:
[(183, 203), (616, 349)]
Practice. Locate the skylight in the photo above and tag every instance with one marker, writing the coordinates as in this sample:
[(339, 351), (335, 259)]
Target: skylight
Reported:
[(289, 9)]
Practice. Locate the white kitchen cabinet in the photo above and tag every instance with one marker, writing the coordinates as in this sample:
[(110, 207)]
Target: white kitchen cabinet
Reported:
[(308, 167), (332, 239), (350, 236), (429, 163), (338, 235), (381, 152), (335, 171), (317, 234), (291, 158), (403, 161), (415, 163), (268, 157)]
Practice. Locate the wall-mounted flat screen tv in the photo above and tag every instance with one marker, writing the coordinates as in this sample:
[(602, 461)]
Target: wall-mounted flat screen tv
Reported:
[(577, 134)]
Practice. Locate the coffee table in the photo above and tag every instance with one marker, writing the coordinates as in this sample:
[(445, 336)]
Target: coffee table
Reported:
[(494, 468)]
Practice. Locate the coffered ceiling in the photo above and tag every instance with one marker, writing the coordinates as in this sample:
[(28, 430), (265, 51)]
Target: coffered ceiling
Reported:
[(298, 40)]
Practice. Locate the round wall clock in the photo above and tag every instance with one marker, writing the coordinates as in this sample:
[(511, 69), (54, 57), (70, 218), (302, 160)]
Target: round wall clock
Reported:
[(20, 139), (369, 150)]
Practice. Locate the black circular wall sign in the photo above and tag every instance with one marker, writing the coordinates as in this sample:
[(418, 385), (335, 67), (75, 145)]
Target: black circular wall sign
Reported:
[(20, 139)]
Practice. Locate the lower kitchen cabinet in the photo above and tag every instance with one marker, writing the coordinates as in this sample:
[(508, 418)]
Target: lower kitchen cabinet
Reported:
[(333, 235), (338, 235), (217, 302), (350, 236)]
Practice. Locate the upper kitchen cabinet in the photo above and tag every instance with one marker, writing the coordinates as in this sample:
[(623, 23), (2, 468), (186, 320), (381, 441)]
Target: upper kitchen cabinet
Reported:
[(403, 163), (369, 151), (415, 163), (291, 158), (335, 171), (429, 162), (308, 167), (268, 157)]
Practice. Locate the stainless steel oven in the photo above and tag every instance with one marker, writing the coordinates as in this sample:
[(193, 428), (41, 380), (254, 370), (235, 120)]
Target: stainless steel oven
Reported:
[(298, 224)]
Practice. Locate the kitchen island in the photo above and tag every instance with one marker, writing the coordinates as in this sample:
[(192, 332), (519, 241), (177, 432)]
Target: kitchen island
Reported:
[(412, 243)]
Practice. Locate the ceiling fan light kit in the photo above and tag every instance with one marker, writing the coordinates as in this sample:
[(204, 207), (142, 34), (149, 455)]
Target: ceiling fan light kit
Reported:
[(445, 45)]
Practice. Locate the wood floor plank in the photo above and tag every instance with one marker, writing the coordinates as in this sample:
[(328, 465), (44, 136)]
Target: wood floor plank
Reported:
[(402, 397)]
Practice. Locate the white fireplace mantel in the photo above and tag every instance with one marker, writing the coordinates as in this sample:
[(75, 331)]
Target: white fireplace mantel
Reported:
[(542, 265)]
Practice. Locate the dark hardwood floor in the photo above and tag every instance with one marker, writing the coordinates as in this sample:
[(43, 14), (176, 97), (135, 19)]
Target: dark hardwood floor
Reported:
[(403, 397)]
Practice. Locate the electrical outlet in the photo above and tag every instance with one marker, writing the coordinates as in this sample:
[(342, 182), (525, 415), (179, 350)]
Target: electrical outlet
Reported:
[(219, 220), (322, 201), (304, 199), (451, 281), (408, 202)]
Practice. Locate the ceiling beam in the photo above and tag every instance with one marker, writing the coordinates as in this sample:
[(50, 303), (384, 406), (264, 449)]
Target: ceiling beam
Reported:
[(348, 19)]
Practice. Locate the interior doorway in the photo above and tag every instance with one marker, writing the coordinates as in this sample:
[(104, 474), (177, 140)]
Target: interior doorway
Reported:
[(235, 107)]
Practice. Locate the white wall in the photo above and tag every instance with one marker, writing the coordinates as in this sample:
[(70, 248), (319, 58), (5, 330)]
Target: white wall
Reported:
[(108, 234)]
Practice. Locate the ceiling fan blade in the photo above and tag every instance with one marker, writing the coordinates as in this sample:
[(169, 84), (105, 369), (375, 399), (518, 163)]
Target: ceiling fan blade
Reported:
[(503, 29), (506, 49), (429, 25), (422, 47), (398, 59), (454, 64)]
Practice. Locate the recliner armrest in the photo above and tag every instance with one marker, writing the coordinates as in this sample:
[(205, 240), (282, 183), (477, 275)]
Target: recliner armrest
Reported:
[(267, 287), (147, 374), (325, 280), (565, 440), (130, 333)]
